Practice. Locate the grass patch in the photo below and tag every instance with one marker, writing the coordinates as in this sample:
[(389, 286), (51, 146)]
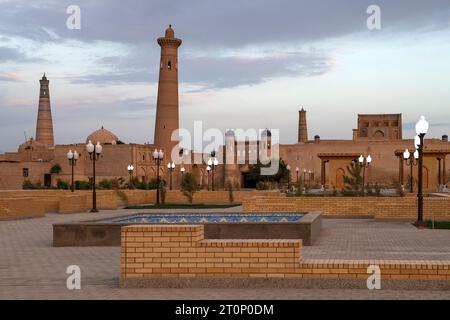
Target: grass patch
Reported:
[(437, 224), (183, 206)]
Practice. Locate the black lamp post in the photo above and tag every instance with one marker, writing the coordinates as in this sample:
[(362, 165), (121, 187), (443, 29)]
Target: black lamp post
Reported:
[(213, 163), (421, 129), (130, 171), (288, 168), (364, 162), (208, 170), (411, 161), (72, 157), (158, 156), (171, 167), (309, 178), (94, 155)]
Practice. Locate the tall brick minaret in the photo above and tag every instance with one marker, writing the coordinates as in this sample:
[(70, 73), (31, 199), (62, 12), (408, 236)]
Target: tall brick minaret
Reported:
[(44, 125), (167, 102), (302, 127)]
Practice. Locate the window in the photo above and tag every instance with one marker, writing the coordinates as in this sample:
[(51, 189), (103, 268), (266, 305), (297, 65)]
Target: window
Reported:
[(169, 65), (25, 172)]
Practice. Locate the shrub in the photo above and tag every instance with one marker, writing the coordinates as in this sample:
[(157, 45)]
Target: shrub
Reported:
[(82, 185), (261, 185), (189, 186), (105, 184), (27, 185), (61, 184)]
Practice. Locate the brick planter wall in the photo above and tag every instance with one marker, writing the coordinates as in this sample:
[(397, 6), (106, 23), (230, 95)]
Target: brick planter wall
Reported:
[(180, 251), (403, 208)]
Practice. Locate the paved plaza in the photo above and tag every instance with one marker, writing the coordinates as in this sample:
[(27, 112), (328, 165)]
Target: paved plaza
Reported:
[(30, 268)]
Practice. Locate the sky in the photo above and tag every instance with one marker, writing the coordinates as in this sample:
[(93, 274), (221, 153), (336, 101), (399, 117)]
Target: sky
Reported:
[(242, 64)]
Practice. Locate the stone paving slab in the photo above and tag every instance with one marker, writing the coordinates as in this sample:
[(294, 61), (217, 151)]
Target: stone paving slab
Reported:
[(30, 268)]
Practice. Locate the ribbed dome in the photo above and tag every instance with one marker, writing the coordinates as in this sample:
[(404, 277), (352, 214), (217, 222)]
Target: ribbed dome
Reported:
[(103, 136)]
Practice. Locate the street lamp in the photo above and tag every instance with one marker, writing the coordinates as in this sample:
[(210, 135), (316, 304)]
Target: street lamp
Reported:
[(182, 172), (130, 171), (72, 157), (411, 160), (364, 162), (288, 167), (212, 163), (171, 167), (208, 170), (94, 155), (309, 178), (421, 129), (158, 156)]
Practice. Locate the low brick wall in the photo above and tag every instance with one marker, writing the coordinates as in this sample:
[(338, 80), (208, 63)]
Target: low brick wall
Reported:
[(214, 197), (21, 208), (389, 208), (72, 203), (64, 201), (180, 251)]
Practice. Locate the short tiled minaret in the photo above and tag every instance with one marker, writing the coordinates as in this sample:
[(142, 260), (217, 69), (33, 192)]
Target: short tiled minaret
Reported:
[(302, 127), (44, 126)]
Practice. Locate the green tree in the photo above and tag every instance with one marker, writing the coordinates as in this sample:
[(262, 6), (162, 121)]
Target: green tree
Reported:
[(189, 186), (56, 169), (281, 176), (353, 181)]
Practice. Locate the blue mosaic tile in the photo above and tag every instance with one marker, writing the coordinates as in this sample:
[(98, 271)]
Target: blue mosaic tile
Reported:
[(209, 218)]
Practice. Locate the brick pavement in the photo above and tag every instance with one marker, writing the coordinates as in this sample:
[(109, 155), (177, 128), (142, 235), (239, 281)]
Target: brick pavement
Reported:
[(30, 268)]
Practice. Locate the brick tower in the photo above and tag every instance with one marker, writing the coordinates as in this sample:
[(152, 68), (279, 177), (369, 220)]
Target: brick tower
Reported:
[(44, 125), (302, 127), (167, 102)]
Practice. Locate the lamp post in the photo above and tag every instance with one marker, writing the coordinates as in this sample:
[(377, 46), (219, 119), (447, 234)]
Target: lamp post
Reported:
[(130, 171), (213, 163), (288, 167), (158, 156), (171, 167), (309, 178), (364, 162), (411, 160), (208, 170), (421, 129), (182, 172), (72, 157), (94, 155)]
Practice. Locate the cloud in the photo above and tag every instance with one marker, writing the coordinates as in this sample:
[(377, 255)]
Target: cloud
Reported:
[(206, 23), (228, 72), (11, 77)]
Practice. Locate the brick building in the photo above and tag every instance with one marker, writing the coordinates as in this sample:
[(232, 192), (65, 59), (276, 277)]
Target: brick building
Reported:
[(318, 162)]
